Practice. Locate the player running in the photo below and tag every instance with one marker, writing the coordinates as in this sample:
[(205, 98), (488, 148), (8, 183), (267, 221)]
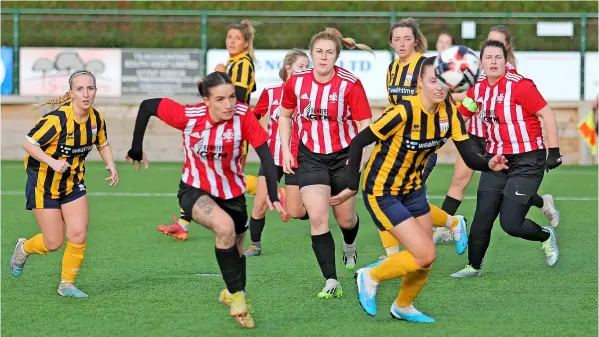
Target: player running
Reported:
[(510, 106), (56, 194), (409, 43), (478, 132), (393, 189), (270, 102), (332, 108), (212, 183), (241, 71)]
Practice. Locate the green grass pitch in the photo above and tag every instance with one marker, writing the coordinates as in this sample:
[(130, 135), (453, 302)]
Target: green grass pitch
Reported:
[(142, 283)]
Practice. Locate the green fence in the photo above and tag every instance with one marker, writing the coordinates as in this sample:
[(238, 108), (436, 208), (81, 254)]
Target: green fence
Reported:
[(276, 30)]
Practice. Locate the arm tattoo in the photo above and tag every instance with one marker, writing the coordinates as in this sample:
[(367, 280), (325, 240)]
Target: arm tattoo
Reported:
[(205, 204)]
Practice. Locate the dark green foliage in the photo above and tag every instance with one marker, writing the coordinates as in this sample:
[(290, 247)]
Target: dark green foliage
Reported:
[(279, 32)]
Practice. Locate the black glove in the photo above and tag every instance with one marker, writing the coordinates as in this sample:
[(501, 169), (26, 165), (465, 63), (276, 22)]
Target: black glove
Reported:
[(554, 159), (136, 155)]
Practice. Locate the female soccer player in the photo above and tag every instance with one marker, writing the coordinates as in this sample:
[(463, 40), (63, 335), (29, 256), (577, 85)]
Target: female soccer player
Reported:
[(332, 107), (444, 41), (409, 43), (269, 102), (406, 136), (510, 106), (240, 68), (478, 131), (212, 185), (55, 191)]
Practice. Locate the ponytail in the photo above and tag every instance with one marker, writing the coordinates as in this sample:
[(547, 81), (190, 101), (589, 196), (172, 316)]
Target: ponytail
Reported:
[(421, 43), (332, 34), (58, 100), (247, 29)]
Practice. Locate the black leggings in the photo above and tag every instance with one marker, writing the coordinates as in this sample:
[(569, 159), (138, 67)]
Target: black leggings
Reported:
[(509, 195), (512, 218)]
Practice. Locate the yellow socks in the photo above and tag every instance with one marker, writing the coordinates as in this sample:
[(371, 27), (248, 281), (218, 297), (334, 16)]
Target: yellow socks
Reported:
[(251, 184), (442, 219), (411, 285), (71, 261), (394, 266), (35, 245), (390, 243)]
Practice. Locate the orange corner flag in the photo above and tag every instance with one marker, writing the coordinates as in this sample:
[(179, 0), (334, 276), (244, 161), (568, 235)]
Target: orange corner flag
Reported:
[(588, 132)]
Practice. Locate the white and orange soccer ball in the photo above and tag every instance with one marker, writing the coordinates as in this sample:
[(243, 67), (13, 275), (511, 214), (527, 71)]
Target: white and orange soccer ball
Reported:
[(457, 68)]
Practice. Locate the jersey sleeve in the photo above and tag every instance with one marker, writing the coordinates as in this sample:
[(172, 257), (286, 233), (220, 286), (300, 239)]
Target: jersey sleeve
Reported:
[(529, 97), (241, 74), (261, 107), (102, 138), (389, 123), (252, 131), (172, 113), (45, 131), (358, 103), (289, 100), (458, 128), (468, 107)]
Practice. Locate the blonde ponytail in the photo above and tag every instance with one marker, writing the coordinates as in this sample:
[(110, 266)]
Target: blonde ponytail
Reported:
[(246, 27), (421, 43), (333, 34), (58, 100)]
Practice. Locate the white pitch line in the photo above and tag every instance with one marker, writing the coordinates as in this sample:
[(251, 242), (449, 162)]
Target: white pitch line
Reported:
[(142, 194)]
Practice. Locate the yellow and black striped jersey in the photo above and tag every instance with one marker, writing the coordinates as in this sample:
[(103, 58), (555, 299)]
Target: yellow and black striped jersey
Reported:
[(408, 136), (63, 138), (402, 78), (242, 73)]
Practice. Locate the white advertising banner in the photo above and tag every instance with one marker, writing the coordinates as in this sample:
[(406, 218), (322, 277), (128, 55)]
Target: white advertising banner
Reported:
[(591, 76), (46, 71), (557, 74), (370, 69)]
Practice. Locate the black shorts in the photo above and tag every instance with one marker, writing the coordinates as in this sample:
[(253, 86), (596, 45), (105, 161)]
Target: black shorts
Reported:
[(480, 143), (37, 199), (290, 179), (322, 169), (388, 211), (521, 181), (236, 207)]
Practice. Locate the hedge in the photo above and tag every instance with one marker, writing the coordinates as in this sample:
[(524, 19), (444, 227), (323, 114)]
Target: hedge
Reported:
[(278, 32)]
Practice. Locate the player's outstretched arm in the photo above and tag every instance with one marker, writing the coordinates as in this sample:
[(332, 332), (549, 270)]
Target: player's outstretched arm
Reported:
[(270, 173), (147, 109), (480, 161), (363, 139)]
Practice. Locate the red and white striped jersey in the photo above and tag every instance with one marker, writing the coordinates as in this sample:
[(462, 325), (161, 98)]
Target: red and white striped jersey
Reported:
[(507, 110), (475, 124), (270, 102), (327, 112), (213, 151)]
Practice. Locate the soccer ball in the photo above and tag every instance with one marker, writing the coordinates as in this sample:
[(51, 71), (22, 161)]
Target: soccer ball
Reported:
[(457, 68)]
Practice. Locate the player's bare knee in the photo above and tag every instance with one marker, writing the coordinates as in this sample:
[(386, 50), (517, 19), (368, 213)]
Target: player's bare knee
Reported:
[(225, 233), (259, 210), (426, 257), (77, 237), (346, 220), (53, 243)]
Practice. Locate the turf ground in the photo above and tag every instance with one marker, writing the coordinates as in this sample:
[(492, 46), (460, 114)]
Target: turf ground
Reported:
[(142, 283)]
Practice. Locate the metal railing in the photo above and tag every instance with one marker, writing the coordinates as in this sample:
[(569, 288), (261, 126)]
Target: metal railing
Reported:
[(208, 19)]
